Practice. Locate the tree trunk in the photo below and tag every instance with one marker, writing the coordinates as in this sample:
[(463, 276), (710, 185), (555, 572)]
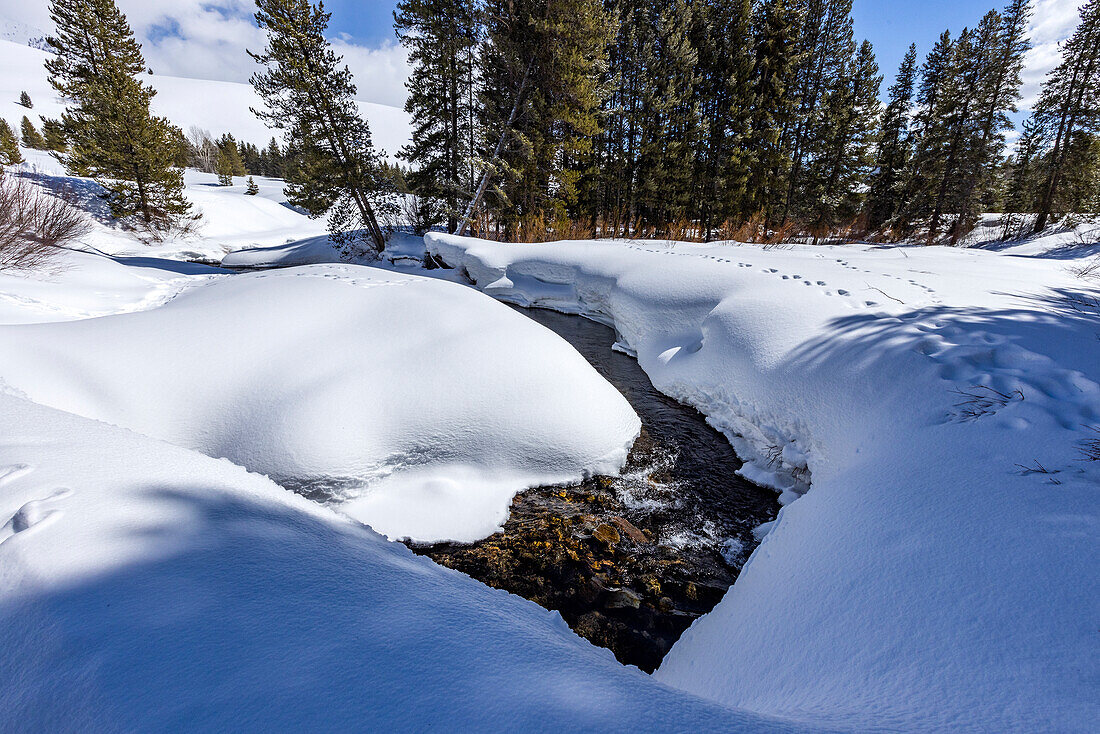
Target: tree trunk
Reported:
[(484, 184)]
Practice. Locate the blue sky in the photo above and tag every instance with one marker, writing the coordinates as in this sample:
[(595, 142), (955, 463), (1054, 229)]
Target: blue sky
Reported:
[(206, 38)]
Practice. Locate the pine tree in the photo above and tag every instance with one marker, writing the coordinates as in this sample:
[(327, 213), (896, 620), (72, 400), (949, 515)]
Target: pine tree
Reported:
[(250, 157), (442, 37), (229, 154), (772, 107), (541, 65), (25, 100), (31, 137), (608, 187), (251, 189), (842, 163), (113, 138), (934, 100), (723, 91), (1068, 106), (272, 156), (826, 45), (669, 120), (895, 148), (9, 146), (54, 133), (998, 92), (228, 165), (311, 96)]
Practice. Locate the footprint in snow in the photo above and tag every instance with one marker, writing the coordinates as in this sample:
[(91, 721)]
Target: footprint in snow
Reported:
[(32, 514)]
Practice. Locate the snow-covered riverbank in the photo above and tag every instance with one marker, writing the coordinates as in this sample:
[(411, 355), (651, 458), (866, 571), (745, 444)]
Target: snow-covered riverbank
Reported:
[(933, 576), (146, 587)]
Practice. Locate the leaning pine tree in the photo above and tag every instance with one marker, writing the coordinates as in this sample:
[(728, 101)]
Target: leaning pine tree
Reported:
[(113, 137), (311, 96)]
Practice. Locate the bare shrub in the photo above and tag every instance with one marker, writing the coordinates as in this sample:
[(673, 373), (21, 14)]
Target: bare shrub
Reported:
[(34, 224), (1089, 270)]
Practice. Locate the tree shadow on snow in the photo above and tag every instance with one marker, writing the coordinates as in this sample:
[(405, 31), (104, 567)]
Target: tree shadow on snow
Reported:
[(252, 615)]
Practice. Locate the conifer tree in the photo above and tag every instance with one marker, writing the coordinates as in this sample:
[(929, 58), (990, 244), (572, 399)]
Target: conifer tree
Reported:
[(310, 95), (772, 107), (250, 158), (229, 154), (25, 100), (541, 67), (1068, 107), (251, 189), (54, 133), (842, 163), (9, 146), (31, 137), (724, 96), (272, 156), (935, 99), (998, 91), (669, 122), (895, 147), (228, 165), (113, 137), (442, 37), (826, 45)]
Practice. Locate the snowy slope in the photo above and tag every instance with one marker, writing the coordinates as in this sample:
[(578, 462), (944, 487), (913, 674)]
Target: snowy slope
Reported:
[(421, 406), (925, 580), (218, 107), (228, 219), (144, 587)]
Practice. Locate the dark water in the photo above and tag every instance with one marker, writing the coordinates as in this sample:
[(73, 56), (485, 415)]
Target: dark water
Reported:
[(629, 560), (702, 463)]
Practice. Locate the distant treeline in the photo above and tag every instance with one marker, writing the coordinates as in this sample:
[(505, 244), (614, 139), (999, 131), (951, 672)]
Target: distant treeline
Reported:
[(751, 119)]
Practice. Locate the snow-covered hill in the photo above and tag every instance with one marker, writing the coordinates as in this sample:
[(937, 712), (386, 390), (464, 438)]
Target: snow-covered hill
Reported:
[(218, 107)]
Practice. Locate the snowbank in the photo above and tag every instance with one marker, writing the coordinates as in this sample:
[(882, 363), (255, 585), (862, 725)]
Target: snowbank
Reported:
[(420, 405), (927, 580), (146, 587)]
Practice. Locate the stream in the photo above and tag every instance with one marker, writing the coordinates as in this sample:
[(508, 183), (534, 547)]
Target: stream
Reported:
[(630, 561)]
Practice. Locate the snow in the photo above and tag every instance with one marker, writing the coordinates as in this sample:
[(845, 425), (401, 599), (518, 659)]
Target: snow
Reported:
[(421, 404), (920, 411), (216, 106), (919, 577), (146, 587)]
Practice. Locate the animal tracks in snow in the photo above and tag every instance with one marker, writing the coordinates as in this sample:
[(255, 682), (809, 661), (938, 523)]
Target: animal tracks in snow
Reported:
[(847, 295), (977, 360)]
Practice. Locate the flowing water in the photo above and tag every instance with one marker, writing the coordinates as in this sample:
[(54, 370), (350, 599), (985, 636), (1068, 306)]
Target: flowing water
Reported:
[(631, 560)]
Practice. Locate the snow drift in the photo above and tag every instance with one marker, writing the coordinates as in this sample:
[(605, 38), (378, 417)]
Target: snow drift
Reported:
[(146, 587), (419, 404)]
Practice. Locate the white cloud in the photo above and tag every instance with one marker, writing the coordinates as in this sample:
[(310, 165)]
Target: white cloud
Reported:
[(380, 73), (1052, 22), (206, 39)]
